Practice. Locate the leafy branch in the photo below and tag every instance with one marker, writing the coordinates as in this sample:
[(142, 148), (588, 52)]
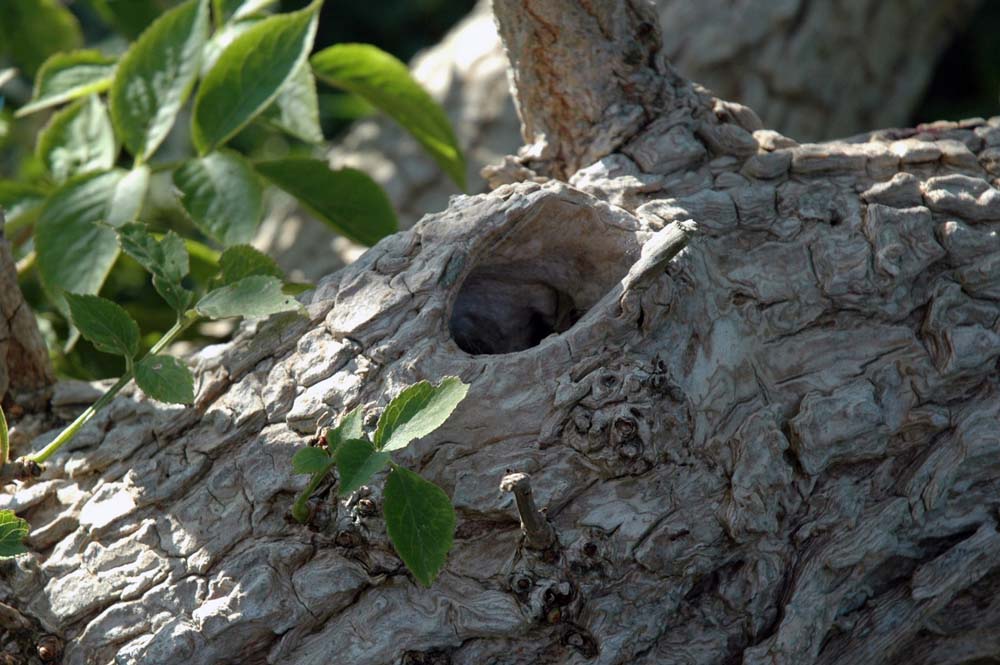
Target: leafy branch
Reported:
[(249, 284), (234, 63), (418, 514)]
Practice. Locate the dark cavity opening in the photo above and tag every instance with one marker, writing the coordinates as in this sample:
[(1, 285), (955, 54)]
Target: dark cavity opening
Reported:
[(542, 277)]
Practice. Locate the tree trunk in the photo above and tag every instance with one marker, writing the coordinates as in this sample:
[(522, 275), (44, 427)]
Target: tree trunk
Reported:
[(25, 370), (779, 446), (811, 70)]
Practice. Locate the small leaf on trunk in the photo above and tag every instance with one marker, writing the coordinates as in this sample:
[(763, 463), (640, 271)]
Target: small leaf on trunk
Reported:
[(421, 522)]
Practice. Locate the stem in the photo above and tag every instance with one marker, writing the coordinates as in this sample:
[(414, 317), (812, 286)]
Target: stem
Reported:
[(48, 451), (300, 509), (166, 166), (26, 263), (4, 441)]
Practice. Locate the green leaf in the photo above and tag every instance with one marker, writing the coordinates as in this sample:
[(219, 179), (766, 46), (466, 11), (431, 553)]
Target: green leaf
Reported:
[(166, 379), (32, 30), (239, 9), (219, 41), (13, 530), (74, 253), (173, 293), (357, 462), (222, 195), (421, 522), (156, 75), (347, 199), (249, 74), (387, 84), (105, 324), (310, 460), (351, 426), (78, 139), (258, 295), (166, 259), (127, 197), (242, 261), (19, 199), (67, 76), (296, 109), (344, 106), (417, 411)]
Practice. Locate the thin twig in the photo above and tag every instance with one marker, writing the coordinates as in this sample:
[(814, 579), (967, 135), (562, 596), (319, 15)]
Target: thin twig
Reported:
[(538, 533)]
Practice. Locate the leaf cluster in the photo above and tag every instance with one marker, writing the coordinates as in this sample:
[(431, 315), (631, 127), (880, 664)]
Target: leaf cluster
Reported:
[(232, 63), (249, 284), (418, 514)]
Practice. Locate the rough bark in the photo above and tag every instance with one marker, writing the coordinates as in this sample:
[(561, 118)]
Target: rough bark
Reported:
[(780, 446), (25, 370), (811, 70)]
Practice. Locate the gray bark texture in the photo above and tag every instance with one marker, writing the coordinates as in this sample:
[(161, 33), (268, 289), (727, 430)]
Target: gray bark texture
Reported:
[(779, 446), (811, 69)]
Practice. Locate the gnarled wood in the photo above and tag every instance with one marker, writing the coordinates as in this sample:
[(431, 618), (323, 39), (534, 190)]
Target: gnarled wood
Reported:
[(811, 70), (781, 448)]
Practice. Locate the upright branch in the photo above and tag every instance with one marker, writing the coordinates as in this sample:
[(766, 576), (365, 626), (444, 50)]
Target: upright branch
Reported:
[(586, 76), (25, 370)]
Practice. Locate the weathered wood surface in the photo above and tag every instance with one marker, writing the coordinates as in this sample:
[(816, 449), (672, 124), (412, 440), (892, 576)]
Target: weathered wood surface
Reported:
[(781, 448), (811, 70)]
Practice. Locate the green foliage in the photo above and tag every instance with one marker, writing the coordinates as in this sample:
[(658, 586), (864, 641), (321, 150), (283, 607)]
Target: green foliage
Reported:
[(296, 108), (240, 9), (254, 70), (418, 411), (222, 195), (68, 76), (19, 199), (244, 261), (257, 295), (166, 259), (418, 514), (165, 378), (111, 329), (351, 426), (386, 83), (32, 30), (310, 460), (156, 75), (104, 324), (347, 199), (67, 229), (421, 522), (13, 530), (357, 462), (248, 75), (78, 139)]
